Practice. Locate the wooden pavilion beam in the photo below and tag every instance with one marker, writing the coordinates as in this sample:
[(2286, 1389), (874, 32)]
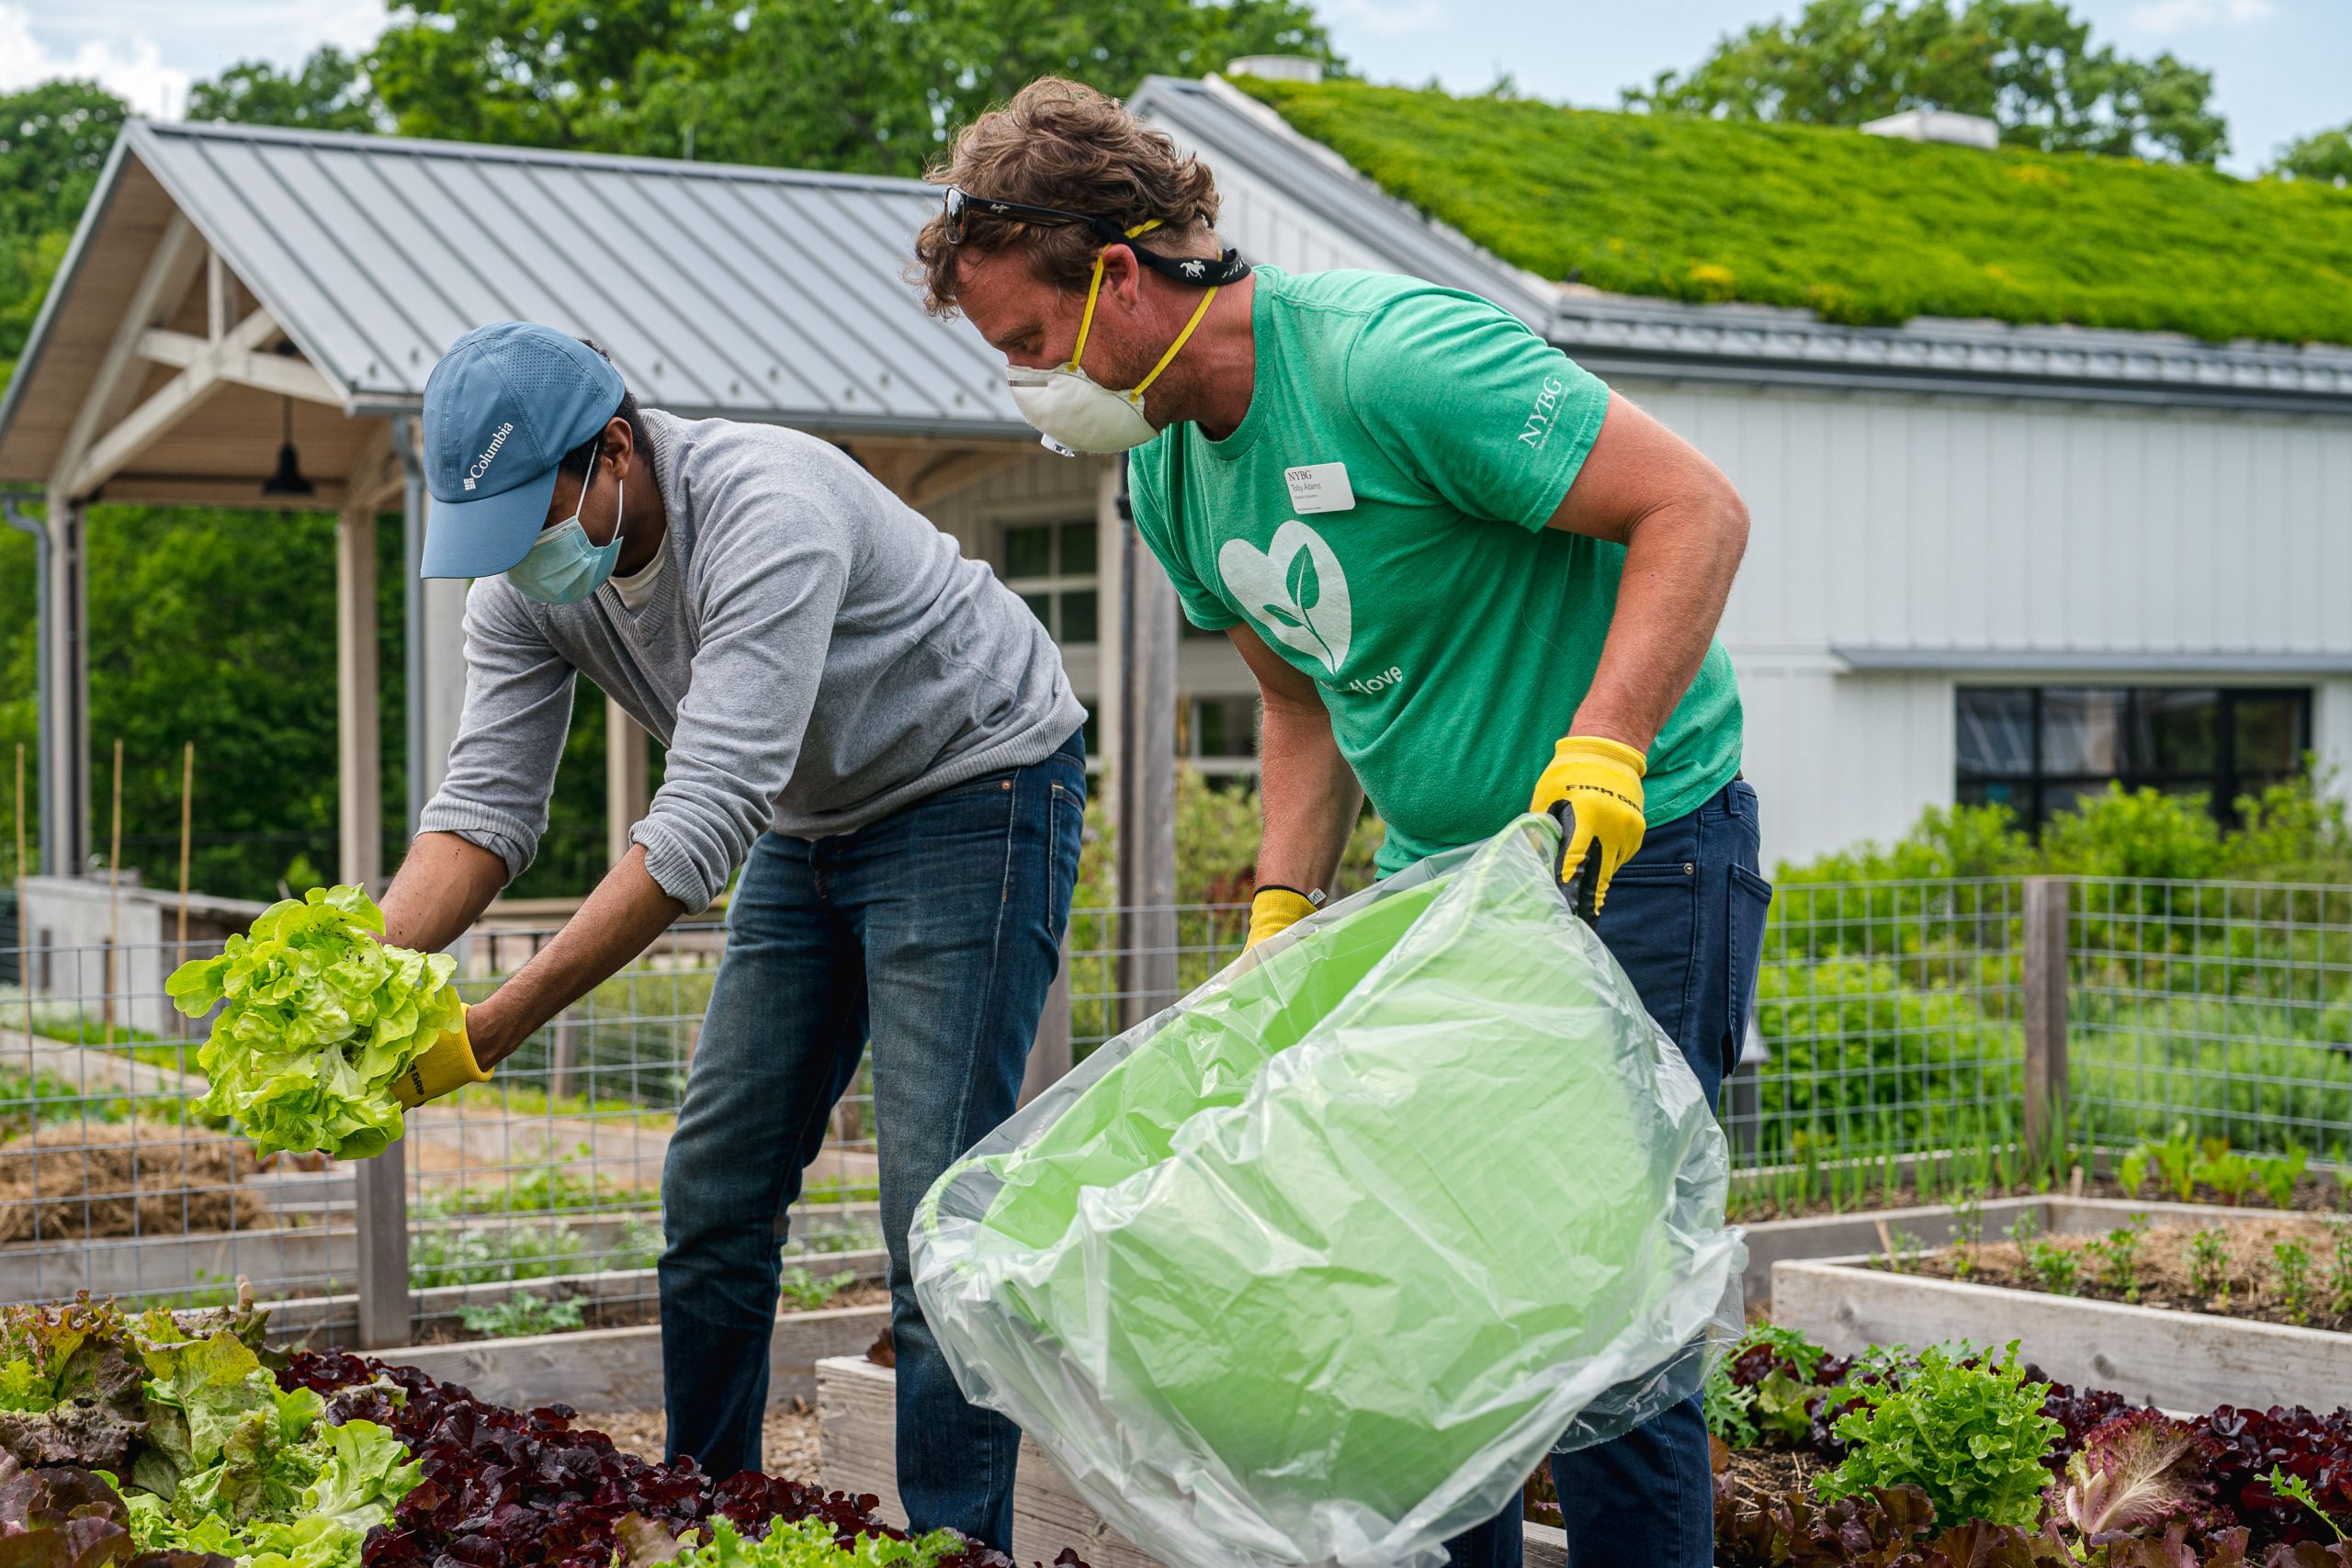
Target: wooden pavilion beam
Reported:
[(938, 480), (293, 377), (922, 472), (164, 284), (172, 402)]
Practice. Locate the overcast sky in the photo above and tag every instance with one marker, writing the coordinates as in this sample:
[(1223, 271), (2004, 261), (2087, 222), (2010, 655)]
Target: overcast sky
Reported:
[(2278, 65)]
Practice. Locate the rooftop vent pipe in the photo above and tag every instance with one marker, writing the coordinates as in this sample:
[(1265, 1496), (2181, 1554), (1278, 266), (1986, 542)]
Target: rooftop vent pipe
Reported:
[(1937, 125), (1277, 67)]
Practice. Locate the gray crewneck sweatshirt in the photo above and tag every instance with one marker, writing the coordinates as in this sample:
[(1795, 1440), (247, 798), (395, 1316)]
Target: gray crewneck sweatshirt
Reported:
[(814, 655)]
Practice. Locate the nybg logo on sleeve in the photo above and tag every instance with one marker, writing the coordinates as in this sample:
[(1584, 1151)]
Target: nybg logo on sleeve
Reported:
[(1538, 428), (482, 464)]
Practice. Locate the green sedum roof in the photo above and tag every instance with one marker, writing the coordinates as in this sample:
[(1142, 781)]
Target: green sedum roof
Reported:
[(1864, 229)]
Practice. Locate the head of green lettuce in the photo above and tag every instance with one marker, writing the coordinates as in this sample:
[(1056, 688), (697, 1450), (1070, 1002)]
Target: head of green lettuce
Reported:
[(317, 1017)]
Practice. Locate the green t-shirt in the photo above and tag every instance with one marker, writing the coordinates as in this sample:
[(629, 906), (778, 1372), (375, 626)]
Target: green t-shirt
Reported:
[(1450, 632)]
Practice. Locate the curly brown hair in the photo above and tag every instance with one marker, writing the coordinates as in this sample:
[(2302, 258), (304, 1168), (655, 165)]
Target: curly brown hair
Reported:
[(1060, 143)]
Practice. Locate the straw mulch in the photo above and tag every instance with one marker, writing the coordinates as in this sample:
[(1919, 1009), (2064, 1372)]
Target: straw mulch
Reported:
[(84, 1181)]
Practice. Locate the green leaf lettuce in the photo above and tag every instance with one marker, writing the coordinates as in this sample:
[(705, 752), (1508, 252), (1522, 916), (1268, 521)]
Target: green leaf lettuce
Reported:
[(317, 1017)]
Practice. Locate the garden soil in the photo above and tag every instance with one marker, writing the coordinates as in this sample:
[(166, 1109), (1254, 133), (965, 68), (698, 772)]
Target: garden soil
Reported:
[(86, 1180), (788, 1437), (2251, 1286)]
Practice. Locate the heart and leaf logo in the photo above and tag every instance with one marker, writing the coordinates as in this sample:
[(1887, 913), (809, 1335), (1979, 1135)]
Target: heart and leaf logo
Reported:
[(1294, 589)]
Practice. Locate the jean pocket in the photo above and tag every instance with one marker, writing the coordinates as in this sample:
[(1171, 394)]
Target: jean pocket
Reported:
[(1065, 838), (1650, 923), (1750, 901)]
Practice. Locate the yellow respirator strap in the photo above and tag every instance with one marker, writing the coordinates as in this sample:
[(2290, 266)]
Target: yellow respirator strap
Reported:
[(1202, 309), (1086, 321)]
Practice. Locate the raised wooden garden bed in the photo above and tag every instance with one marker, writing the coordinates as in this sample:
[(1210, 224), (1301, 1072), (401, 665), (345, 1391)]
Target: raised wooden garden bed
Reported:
[(2172, 1358), (620, 1369), (857, 1447), (1824, 1236)]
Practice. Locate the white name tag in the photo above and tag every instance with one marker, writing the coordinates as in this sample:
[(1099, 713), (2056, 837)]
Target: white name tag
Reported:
[(1320, 487)]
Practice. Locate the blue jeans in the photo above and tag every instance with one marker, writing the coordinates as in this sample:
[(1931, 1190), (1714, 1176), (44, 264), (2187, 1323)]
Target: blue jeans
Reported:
[(933, 934), (1685, 918)]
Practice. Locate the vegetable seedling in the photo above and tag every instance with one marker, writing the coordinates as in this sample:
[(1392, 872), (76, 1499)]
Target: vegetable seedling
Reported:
[(2054, 1265), (2294, 1266), (2119, 1256), (808, 1293), (2208, 1262)]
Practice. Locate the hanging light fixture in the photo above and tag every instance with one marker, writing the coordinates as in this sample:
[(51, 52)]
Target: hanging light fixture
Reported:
[(289, 480)]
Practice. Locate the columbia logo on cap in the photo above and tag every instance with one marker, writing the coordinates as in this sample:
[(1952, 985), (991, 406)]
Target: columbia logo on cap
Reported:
[(482, 464)]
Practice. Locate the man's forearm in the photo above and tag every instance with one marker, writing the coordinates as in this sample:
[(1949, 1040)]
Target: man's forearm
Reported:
[(444, 885), (620, 919), (1677, 573), (1310, 797)]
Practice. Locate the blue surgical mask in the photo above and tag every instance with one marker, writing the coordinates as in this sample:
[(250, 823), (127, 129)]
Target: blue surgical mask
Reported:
[(563, 567)]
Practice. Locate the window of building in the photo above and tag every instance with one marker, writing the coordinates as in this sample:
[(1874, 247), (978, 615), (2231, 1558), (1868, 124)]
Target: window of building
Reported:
[(2037, 750), (1218, 735), (1051, 566)]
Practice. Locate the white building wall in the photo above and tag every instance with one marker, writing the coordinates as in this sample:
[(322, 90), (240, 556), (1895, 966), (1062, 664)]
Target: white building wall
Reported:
[(2041, 535), (1048, 488), (2331, 730), (2044, 538), (1939, 525)]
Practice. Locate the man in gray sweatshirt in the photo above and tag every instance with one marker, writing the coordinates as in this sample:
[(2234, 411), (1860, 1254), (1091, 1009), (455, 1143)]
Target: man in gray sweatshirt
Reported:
[(873, 730)]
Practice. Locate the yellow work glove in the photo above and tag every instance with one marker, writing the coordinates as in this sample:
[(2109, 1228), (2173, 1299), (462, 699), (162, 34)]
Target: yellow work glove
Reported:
[(1601, 782), (1274, 910), (446, 1065)]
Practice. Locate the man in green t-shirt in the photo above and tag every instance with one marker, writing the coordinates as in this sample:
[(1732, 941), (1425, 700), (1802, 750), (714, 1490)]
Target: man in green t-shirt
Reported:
[(1469, 579)]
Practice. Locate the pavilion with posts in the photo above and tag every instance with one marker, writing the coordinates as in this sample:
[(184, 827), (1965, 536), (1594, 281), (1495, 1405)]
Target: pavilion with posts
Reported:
[(246, 318)]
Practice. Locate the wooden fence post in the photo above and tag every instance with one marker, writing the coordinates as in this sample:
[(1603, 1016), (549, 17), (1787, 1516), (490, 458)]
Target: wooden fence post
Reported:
[(2045, 1018), (379, 1188), (563, 1067), (1049, 1053)]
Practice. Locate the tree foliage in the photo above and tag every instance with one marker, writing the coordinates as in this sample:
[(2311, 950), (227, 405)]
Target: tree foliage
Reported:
[(55, 137), (330, 91), (2028, 64), (863, 85), (2322, 155)]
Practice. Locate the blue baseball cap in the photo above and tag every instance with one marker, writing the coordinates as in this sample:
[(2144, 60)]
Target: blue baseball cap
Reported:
[(501, 409)]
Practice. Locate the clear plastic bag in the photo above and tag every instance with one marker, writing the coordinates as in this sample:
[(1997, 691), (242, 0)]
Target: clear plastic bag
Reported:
[(1315, 1266)]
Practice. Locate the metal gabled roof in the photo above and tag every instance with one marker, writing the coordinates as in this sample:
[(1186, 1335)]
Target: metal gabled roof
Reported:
[(1621, 335), (755, 294)]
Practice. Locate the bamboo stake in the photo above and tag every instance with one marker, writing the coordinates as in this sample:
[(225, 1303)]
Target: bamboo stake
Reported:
[(114, 888), (187, 802), (24, 942)]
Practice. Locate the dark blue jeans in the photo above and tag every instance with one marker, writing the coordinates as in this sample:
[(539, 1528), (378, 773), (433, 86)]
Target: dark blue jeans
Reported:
[(1685, 918), (933, 935)]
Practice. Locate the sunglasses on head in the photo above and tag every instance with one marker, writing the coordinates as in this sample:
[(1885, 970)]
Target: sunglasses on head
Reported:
[(962, 205)]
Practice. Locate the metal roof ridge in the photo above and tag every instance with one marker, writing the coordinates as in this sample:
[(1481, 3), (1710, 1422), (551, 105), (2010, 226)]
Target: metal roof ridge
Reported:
[(1971, 332), (494, 151)]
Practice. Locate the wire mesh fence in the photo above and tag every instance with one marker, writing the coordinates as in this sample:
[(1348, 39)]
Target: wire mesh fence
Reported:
[(111, 1179), (1891, 1022), (2224, 1009)]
